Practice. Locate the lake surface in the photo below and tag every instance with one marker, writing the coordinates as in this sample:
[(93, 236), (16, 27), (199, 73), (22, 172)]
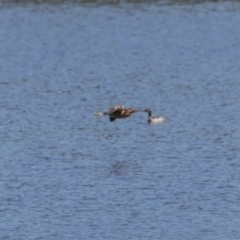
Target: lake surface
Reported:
[(66, 174)]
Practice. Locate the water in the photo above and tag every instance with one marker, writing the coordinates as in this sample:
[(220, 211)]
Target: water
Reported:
[(66, 174)]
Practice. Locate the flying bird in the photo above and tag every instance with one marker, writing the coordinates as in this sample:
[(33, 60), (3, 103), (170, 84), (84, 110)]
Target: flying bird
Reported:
[(117, 112)]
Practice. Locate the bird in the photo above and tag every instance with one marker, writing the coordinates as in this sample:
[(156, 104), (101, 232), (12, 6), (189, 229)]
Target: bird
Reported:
[(117, 112), (153, 119)]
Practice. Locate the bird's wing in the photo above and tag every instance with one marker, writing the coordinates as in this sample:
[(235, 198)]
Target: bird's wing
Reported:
[(113, 109)]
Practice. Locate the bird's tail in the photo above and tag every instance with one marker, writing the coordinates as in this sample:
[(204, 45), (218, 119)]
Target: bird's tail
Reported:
[(99, 114)]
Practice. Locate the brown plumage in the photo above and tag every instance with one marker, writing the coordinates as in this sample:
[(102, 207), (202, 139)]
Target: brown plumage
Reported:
[(117, 112)]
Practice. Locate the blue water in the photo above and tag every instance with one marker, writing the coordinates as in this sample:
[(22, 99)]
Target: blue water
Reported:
[(66, 174)]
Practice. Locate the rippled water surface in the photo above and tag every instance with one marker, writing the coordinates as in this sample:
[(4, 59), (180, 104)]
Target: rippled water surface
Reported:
[(66, 174)]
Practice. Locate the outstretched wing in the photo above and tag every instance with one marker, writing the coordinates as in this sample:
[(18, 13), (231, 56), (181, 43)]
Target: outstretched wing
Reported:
[(113, 109), (112, 119)]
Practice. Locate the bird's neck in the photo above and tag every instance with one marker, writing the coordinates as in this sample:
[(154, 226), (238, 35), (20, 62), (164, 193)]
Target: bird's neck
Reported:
[(149, 113)]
